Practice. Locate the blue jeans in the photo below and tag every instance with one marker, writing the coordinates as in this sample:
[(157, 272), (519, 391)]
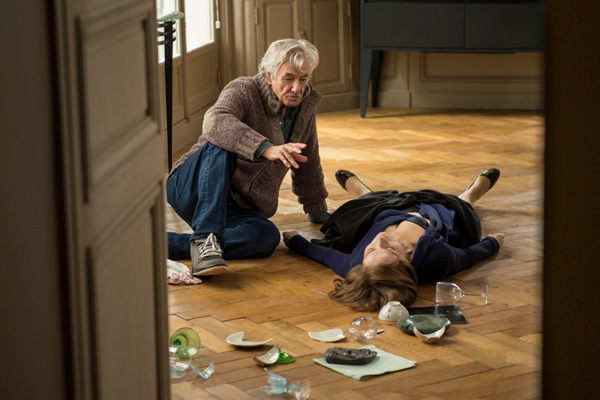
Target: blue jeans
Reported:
[(198, 191)]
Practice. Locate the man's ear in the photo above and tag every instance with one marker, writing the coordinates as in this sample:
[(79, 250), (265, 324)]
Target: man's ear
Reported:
[(269, 80)]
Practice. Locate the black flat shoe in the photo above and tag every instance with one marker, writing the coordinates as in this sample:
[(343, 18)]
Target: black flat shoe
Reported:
[(341, 175), (492, 174)]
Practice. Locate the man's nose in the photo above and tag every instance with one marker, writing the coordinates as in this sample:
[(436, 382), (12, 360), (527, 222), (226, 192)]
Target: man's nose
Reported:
[(296, 86)]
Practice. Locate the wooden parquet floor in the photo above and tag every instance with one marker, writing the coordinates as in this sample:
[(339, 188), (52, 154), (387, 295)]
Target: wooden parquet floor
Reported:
[(497, 355)]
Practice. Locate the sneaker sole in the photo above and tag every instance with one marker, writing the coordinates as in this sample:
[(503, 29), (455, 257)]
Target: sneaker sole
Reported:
[(216, 270)]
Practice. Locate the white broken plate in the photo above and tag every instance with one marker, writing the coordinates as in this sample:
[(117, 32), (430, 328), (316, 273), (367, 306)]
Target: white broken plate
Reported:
[(329, 335), (237, 339), (268, 358)]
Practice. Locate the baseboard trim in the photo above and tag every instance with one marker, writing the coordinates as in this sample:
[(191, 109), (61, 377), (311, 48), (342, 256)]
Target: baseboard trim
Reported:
[(491, 101), (338, 102)]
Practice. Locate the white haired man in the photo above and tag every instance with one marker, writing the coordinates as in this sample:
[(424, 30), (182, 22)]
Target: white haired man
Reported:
[(227, 186)]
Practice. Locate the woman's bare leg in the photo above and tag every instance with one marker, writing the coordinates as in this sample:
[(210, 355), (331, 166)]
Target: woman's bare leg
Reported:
[(355, 187), (476, 191)]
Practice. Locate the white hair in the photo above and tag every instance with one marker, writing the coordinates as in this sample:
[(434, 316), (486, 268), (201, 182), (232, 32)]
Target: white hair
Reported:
[(297, 51)]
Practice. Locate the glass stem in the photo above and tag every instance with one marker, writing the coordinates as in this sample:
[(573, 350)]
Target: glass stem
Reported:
[(473, 294)]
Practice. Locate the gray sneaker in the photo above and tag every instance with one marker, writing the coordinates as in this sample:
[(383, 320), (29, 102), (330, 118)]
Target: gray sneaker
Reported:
[(207, 257)]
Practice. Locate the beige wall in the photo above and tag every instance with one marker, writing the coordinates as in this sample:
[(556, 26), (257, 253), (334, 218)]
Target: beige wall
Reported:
[(511, 81)]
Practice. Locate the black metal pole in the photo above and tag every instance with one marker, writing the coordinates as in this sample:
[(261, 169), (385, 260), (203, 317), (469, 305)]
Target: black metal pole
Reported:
[(167, 23), (169, 87)]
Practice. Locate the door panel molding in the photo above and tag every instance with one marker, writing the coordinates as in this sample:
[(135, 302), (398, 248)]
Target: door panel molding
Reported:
[(124, 324), (329, 30)]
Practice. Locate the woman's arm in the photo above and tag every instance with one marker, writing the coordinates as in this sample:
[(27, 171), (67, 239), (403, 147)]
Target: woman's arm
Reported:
[(461, 259), (435, 259), (339, 262)]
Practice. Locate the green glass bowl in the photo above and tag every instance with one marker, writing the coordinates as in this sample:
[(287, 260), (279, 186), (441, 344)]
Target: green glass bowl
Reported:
[(188, 339)]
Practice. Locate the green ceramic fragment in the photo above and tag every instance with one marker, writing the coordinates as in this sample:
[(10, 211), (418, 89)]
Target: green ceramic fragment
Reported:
[(425, 323)]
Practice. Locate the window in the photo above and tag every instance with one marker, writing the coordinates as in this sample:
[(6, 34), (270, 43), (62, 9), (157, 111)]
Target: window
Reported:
[(198, 22), (166, 7)]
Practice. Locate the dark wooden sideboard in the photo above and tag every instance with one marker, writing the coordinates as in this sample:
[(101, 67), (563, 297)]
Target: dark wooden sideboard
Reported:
[(476, 26)]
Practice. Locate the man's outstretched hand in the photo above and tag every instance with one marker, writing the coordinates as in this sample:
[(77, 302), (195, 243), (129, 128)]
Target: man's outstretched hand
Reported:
[(290, 154)]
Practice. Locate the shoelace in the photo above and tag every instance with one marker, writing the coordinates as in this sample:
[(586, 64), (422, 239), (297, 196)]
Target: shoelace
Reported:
[(210, 247)]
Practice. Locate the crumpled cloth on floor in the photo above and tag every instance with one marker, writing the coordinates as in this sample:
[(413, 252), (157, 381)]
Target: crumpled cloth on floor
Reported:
[(179, 274), (383, 363)]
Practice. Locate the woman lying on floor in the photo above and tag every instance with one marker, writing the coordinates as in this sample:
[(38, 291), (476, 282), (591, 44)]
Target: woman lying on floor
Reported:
[(384, 243)]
